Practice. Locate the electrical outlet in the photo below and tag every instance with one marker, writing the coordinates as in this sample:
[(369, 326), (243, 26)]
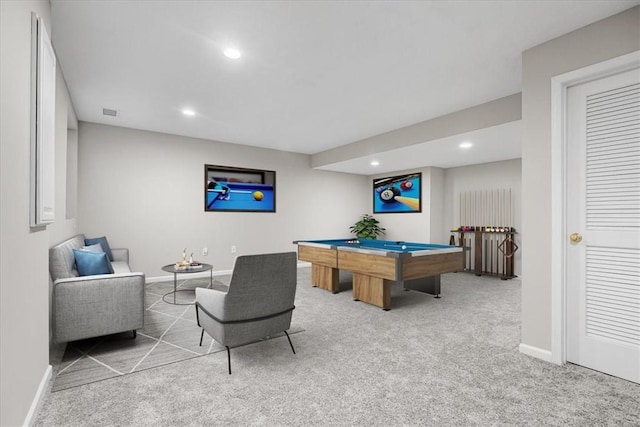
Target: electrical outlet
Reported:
[(233, 249), (205, 251)]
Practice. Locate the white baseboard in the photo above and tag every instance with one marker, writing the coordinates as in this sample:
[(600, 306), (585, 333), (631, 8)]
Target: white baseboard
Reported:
[(536, 352), (38, 400)]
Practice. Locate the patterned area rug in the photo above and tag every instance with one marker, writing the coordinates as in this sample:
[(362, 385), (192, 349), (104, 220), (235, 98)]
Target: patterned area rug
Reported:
[(170, 335)]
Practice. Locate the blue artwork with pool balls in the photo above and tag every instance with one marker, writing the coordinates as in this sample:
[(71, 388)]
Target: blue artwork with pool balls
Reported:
[(396, 194), (237, 189)]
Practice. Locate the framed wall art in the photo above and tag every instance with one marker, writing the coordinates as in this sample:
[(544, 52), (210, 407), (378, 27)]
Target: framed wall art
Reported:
[(233, 189), (398, 194)]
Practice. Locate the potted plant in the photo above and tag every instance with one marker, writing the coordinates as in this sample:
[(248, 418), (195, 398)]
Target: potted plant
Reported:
[(367, 227)]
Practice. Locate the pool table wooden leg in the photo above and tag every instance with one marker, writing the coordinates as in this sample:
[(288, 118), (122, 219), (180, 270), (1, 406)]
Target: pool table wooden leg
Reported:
[(325, 277), (372, 290)]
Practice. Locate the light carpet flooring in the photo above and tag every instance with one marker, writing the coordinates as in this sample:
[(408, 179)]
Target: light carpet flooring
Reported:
[(170, 334), (452, 361)]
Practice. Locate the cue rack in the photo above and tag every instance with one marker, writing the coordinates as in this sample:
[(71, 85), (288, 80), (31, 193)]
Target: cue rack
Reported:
[(488, 249)]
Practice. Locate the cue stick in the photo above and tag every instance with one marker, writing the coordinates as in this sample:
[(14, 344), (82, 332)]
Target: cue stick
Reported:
[(469, 207), (477, 221), (510, 211), (486, 217), (461, 208), (499, 209), (466, 208), (490, 252), (484, 210), (506, 214), (486, 207), (215, 190), (409, 201), (462, 203), (494, 226), (484, 227), (504, 209)]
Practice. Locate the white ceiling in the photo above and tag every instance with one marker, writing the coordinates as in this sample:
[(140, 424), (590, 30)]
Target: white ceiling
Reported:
[(491, 144), (314, 75)]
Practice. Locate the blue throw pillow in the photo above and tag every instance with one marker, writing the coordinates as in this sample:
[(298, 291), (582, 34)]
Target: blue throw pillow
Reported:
[(92, 263), (93, 248), (103, 242)]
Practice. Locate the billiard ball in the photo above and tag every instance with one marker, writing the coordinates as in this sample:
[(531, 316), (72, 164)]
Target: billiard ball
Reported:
[(404, 247), (389, 194), (258, 195), (406, 185), (379, 189)]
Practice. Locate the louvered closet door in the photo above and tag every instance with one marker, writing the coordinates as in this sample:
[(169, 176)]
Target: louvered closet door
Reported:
[(603, 208)]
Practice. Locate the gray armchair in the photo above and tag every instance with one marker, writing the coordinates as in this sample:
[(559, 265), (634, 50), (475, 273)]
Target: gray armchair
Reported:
[(258, 303)]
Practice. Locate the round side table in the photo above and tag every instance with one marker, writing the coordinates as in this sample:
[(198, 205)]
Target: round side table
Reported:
[(171, 268)]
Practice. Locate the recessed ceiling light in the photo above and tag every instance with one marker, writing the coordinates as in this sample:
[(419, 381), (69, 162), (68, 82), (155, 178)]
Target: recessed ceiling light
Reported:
[(232, 53), (465, 144), (188, 112), (375, 163)]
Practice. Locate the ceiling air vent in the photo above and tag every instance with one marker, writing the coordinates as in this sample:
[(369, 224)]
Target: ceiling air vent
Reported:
[(109, 112)]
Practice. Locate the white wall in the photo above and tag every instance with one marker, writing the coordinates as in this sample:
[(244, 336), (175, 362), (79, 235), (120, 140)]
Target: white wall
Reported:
[(439, 230), (605, 39), (24, 256), (488, 176), (425, 226), (66, 148), (144, 191)]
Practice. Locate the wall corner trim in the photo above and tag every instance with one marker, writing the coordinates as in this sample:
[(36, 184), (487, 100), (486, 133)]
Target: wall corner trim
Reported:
[(38, 400), (536, 352)]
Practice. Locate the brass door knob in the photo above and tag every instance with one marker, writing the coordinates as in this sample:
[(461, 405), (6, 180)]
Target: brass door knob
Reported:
[(575, 237)]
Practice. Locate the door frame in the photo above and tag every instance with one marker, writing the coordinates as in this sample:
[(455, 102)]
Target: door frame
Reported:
[(560, 85)]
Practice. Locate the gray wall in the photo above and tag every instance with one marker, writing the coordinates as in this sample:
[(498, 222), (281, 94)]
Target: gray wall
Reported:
[(605, 39), (144, 191), (24, 256)]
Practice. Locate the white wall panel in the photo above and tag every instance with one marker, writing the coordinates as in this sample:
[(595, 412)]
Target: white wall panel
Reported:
[(144, 191)]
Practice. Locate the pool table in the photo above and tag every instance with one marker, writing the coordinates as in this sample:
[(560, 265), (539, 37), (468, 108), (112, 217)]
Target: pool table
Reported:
[(377, 264)]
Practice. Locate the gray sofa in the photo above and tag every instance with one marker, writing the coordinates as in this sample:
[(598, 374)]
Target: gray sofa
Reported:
[(91, 306)]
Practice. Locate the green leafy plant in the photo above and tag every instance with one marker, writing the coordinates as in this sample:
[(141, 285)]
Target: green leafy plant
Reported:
[(367, 227)]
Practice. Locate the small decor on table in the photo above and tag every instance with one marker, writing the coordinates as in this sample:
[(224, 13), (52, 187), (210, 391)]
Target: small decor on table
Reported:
[(186, 264)]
